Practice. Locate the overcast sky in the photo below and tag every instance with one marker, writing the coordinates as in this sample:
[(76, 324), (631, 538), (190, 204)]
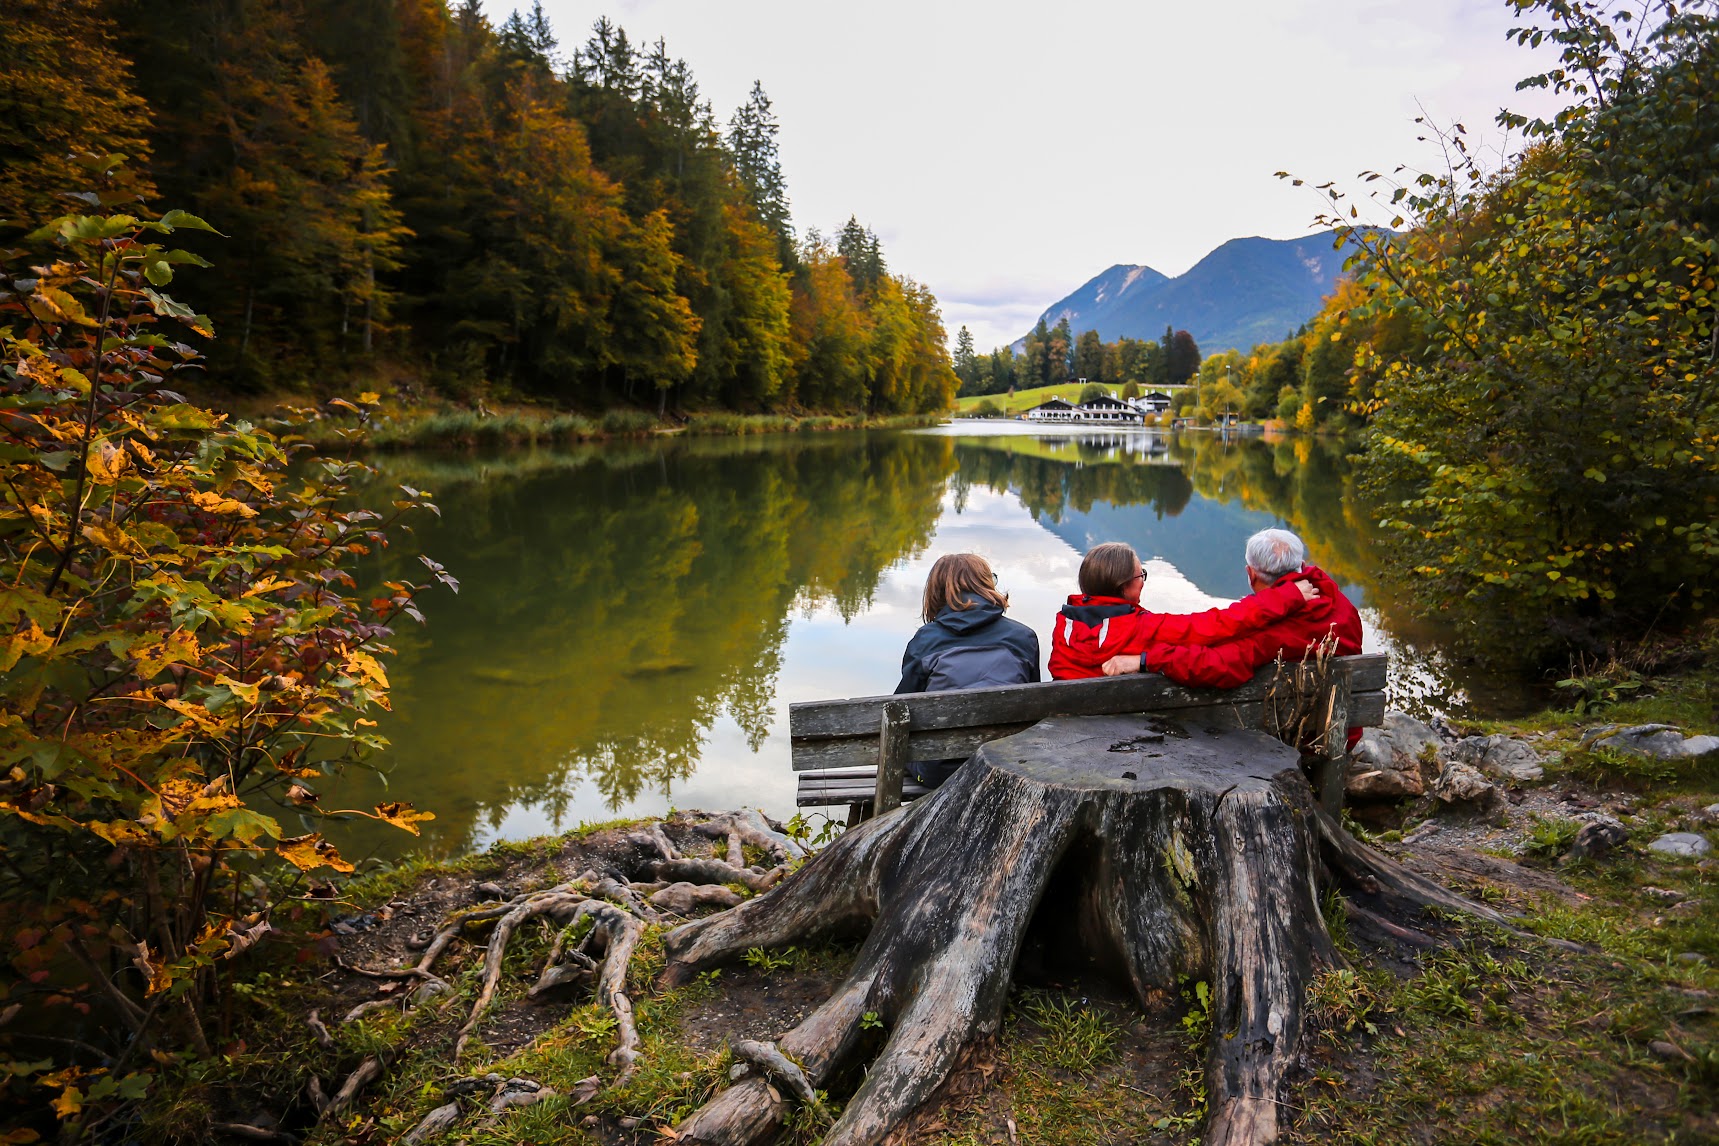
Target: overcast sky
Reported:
[(1006, 152)]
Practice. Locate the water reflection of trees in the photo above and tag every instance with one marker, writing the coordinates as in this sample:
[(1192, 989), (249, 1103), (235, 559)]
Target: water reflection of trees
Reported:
[(622, 600), (1051, 483)]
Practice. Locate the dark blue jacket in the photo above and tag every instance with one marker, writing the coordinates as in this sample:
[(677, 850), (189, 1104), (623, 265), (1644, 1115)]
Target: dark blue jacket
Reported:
[(969, 648)]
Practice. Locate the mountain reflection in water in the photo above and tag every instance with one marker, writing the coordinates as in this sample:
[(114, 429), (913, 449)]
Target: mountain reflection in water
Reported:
[(636, 618)]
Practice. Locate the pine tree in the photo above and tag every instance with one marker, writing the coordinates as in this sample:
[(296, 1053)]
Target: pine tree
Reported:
[(752, 139), (966, 362)]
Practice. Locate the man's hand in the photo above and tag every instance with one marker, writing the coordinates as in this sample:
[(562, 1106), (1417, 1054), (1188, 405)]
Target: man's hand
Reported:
[(1116, 666), (1309, 591)]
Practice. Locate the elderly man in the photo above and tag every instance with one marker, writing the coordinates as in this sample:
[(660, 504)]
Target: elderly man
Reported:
[(1274, 557)]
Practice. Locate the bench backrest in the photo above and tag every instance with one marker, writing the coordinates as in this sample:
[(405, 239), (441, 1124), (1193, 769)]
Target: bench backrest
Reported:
[(944, 725)]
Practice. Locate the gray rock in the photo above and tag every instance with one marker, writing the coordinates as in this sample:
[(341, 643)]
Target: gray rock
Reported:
[(1596, 838), (1461, 783), (1409, 736), (1592, 734), (1707, 817), (1664, 741), (1374, 750), (1499, 755), (1664, 895), (1681, 845)]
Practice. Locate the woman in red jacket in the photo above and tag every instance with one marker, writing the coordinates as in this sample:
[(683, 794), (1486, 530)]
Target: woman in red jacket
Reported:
[(1105, 618)]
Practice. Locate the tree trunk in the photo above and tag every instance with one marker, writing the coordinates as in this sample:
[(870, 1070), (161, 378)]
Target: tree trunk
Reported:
[(1150, 849)]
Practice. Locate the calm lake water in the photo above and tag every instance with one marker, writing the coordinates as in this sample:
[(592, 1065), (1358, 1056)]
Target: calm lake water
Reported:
[(636, 618)]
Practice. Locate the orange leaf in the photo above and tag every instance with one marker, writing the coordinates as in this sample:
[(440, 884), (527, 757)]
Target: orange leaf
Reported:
[(402, 815), (311, 851)]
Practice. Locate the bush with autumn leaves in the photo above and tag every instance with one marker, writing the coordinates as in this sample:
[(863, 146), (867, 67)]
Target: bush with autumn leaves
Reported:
[(183, 653)]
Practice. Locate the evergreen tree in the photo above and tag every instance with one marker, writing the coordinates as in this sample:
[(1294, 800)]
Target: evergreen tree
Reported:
[(1089, 357), (966, 362), (1184, 357), (860, 250), (752, 138)]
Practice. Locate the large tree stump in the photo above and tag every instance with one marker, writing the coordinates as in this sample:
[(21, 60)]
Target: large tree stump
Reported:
[(1157, 851)]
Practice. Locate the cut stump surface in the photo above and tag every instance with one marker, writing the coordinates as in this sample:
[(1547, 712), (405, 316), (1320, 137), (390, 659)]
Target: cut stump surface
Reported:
[(1151, 849)]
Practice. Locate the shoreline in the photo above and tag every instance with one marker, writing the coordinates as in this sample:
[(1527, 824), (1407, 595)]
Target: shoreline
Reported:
[(467, 430)]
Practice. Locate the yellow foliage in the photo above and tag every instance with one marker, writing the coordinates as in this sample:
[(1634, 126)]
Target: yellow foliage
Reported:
[(402, 815), (309, 852), (215, 503)]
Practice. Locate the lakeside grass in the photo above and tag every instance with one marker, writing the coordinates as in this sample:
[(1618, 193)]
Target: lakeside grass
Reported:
[(468, 429)]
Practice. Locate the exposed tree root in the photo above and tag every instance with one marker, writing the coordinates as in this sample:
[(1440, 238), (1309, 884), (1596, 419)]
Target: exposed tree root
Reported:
[(601, 918), (1199, 856), (368, 1071)]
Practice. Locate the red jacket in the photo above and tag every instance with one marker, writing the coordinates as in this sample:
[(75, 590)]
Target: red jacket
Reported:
[(1090, 630), (1232, 662)]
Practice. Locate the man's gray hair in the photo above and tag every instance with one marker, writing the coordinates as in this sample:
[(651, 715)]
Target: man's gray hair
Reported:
[(1274, 552)]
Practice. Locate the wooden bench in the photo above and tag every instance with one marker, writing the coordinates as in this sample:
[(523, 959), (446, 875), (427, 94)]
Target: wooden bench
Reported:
[(854, 752)]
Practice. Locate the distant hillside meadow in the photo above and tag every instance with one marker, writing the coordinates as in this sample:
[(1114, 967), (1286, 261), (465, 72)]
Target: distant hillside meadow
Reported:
[(1246, 292)]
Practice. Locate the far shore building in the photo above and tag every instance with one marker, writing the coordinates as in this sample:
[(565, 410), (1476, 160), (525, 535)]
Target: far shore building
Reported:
[(1109, 410), (1055, 410), (1099, 411), (1151, 402)]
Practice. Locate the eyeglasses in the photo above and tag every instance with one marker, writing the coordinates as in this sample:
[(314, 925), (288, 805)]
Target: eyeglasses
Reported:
[(1140, 576)]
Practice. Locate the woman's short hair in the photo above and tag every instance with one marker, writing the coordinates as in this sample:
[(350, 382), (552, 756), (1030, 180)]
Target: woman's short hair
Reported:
[(1107, 569), (1274, 552), (954, 578)]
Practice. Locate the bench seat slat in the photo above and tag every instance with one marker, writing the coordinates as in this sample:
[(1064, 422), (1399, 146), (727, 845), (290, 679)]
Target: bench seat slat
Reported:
[(1366, 709), (1030, 703)]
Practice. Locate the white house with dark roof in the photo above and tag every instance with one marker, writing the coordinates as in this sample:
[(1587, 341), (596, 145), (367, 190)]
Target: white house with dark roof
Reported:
[(1054, 410)]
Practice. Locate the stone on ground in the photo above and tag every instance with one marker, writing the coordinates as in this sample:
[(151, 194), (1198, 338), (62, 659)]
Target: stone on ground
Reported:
[(1682, 845), (1663, 741)]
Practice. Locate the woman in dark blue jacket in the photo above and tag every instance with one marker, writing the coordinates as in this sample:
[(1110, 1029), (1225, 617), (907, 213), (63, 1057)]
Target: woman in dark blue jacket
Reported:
[(966, 642)]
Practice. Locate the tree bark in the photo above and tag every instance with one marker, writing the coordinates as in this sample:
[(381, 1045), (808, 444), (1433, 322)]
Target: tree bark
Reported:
[(1151, 849)]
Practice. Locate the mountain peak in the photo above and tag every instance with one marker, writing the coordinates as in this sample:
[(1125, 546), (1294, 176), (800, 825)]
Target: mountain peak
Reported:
[(1246, 291)]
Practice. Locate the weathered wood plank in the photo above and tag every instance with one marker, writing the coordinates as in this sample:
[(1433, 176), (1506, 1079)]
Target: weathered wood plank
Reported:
[(891, 758), (1334, 772), (1030, 703), (859, 794), (1365, 709)]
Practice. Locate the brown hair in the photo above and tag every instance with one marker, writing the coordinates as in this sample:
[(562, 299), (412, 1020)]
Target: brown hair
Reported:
[(954, 578), (1107, 569)]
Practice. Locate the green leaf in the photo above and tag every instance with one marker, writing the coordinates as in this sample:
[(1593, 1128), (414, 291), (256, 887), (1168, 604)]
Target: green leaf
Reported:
[(186, 221), (241, 824)]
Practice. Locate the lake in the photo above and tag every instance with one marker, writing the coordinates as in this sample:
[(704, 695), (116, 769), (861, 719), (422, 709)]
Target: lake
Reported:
[(635, 618)]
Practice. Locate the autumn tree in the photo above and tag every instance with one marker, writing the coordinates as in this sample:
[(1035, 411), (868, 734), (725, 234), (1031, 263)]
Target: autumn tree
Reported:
[(51, 114), (1547, 453)]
